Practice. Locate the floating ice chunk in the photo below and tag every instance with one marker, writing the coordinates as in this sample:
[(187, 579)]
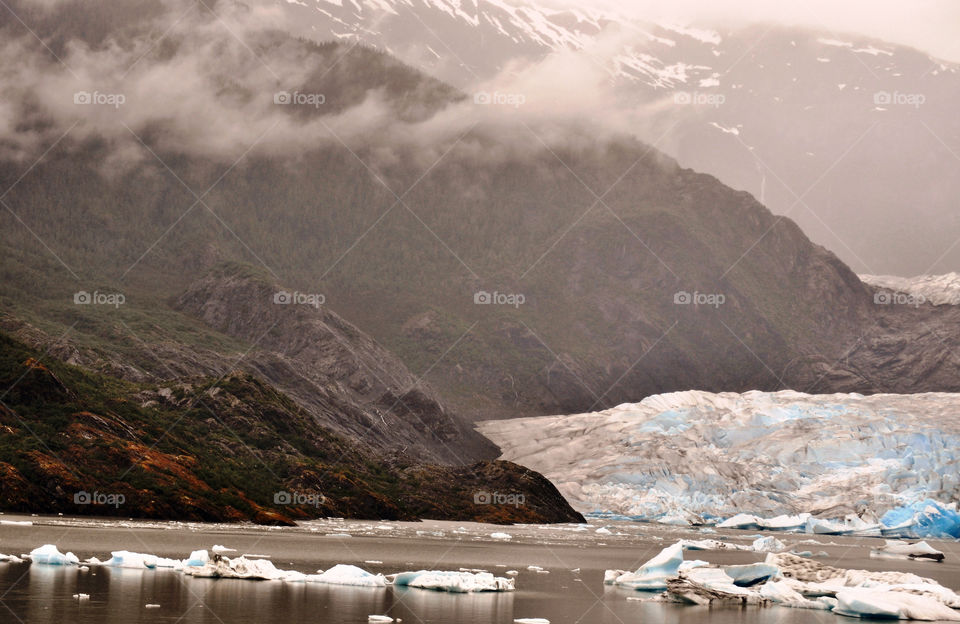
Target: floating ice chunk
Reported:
[(653, 574), (751, 574), (881, 603), (10, 559), (197, 559), (379, 619), (239, 568), (344, 574), (373, 561), (16, 523), (151, 605), (127, 559), (457, 582), (781, 593), (81, 596), (785, 523), (49, 555), (531, 621), (502, 536), (851, 525), (740, 521), (902, 550), (511, 573), (217, 548), (768, 544), (603, 531), (711, 544)]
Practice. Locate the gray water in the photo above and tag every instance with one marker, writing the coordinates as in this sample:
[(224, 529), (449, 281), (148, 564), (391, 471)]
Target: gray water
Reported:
[(39, 594)]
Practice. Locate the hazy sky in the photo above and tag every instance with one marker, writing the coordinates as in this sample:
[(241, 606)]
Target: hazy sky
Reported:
[(931, 25)]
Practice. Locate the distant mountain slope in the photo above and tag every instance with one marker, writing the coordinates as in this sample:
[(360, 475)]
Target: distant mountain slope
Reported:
[(853, 138), (225, 449), (516, 264)]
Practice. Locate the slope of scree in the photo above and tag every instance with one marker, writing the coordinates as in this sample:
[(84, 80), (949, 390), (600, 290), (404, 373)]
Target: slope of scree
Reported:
[(218, 450)]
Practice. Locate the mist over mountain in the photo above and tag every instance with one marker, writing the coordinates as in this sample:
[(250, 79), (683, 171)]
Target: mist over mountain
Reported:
[(189, 190), (851, 137)]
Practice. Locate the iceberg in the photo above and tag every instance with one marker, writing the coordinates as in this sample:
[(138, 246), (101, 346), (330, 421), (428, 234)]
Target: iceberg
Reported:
[(345, 574), (127, 559), (653, 574), (197, 559), (456, 582), (768, 544), (750, 574), (906, 550), (49, 555), (793, 523), (881, 603), (239, 568), (740, 521)]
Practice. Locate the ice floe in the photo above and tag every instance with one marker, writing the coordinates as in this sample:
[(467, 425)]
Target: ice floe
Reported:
[(49, 555), (457, 582), (907, 550), (791, 581)]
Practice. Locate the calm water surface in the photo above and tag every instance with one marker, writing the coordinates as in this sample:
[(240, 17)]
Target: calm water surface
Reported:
[(38, 594)]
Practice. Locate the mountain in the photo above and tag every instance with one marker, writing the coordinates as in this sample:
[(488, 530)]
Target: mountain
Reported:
[(852, 138), (226, 449), (514, 264)]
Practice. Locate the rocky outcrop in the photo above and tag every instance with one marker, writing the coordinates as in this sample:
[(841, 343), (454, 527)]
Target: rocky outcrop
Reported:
[(347, 381), (220, 449)]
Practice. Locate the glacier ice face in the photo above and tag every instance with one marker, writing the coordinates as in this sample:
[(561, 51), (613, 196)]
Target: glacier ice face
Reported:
[(764, 454), (936, 289)]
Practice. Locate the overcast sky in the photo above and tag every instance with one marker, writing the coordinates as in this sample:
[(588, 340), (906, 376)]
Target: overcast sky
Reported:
[(930, 25)]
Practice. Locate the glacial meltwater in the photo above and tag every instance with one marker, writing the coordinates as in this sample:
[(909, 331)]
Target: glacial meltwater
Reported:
[(558, 571)]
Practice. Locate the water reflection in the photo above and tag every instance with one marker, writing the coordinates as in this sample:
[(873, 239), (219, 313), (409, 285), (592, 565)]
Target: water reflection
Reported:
[(42, 594)]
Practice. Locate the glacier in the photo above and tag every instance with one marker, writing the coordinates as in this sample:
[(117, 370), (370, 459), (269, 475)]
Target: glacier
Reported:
[(881, 464), (936, 289)]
